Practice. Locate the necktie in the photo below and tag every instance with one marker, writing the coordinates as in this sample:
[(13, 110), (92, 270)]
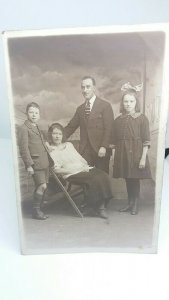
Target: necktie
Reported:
[(87, 108)]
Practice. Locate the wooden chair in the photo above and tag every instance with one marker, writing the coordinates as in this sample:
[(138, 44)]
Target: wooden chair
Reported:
[(66, 191), (83, 191)]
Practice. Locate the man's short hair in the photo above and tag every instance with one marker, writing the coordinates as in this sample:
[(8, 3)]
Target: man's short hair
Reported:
[(89, 77)]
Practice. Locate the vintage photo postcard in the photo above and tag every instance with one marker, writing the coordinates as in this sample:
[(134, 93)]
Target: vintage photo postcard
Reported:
[(88, 109)]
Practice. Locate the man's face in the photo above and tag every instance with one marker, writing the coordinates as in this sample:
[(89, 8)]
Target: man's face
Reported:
[(88, 88)]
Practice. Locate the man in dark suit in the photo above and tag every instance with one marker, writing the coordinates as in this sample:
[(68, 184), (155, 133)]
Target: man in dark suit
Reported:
[(95, 119)]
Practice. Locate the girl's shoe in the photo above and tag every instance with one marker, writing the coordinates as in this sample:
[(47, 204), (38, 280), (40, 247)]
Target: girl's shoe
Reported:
[(125, 209), (134, 208)]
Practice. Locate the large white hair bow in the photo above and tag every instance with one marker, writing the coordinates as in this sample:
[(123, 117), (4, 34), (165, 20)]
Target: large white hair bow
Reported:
[(127, 86)]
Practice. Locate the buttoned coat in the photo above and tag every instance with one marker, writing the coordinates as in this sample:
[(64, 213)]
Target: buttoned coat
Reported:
[(131, 134), (97, 128), (32, 147)]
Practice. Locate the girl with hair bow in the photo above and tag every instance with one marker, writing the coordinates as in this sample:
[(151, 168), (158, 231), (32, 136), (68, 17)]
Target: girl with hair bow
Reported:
[(131, 143)]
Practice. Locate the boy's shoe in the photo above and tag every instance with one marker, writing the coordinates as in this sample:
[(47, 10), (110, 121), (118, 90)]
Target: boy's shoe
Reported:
[(39, 215)]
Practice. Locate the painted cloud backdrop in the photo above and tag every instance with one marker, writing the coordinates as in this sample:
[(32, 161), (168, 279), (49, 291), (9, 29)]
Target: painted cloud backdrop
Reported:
[(49, 69)]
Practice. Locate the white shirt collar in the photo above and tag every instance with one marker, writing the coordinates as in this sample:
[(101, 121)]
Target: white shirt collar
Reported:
[(92, 101)]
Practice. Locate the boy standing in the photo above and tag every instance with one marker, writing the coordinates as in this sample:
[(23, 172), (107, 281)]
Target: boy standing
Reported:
[(35, 156)]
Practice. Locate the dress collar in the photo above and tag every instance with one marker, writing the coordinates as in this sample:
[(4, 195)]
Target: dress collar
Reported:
[(133, 115)]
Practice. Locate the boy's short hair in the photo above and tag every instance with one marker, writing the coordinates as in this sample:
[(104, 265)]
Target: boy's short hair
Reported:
[(32, 104)]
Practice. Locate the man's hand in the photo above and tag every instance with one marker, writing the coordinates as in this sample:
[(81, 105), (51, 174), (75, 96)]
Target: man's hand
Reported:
[(102, 152), (30, 170)]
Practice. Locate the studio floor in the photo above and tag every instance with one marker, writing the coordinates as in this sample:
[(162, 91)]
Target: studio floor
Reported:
[(64, 231)]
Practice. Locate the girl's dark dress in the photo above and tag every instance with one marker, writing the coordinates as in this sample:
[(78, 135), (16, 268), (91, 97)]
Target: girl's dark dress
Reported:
[(130, 135)]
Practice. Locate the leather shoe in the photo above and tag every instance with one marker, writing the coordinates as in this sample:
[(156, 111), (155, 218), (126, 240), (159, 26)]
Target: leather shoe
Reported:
[(102, 214), (134, 208), (125, 209), (39, 215)]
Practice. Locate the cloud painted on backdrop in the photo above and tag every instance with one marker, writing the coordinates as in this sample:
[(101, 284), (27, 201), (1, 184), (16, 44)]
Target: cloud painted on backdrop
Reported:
[(49, 69)]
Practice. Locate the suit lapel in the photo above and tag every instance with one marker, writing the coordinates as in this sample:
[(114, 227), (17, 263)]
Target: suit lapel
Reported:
[(95, 109), (36, 130), (42, 139), (31, 127), (83, 113)]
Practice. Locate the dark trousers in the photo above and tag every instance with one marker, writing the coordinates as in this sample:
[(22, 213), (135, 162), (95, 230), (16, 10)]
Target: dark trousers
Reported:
[(94, 160), (133, 188)]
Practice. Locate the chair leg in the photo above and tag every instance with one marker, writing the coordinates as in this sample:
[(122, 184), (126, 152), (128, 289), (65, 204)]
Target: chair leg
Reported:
[(69, 187), (84, 202), (85, 194)]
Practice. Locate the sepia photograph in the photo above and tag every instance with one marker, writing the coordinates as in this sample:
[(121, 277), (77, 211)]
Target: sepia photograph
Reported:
[(88, 110)]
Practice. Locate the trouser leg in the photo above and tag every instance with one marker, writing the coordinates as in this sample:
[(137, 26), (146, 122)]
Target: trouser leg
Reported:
[(93, 159), (88, 154), (102, 163)]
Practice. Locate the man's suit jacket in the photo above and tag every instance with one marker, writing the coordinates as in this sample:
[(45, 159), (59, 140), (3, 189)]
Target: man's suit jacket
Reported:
[(32, 147), (97, 128)]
